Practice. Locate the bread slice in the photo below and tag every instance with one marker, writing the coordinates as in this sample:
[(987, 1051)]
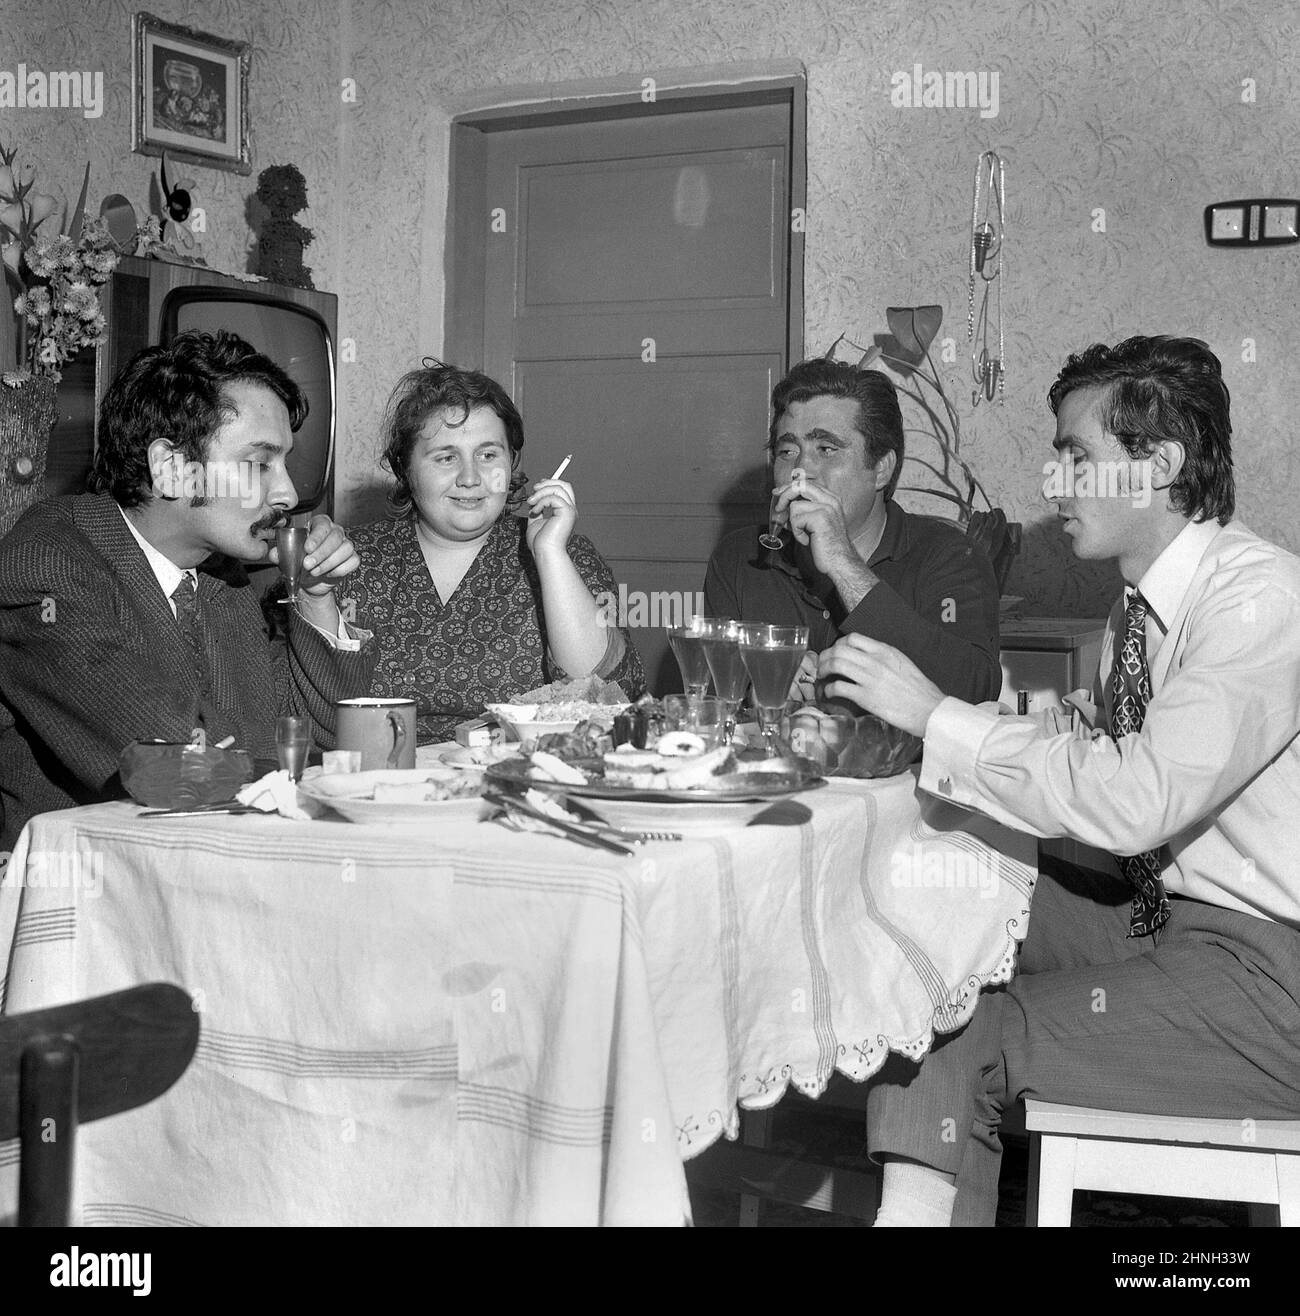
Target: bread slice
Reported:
[(645, 769)]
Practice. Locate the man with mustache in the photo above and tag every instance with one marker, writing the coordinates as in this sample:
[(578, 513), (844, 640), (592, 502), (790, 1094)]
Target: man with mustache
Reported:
[(1171, 983), (126, 613), (853, 561)]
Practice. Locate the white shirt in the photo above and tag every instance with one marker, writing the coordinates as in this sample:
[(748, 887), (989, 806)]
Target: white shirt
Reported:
[(1215, 771), (169, 575)]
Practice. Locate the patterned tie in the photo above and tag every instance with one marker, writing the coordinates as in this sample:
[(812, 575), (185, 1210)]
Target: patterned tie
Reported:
[(1130, 689), (186, 599)]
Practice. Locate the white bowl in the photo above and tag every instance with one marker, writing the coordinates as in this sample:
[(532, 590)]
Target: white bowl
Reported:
[(528, 721), (520, 721)]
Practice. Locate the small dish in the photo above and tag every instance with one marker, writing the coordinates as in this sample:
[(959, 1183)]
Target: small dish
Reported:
[(528, 721), (467, 758), (352, 795)]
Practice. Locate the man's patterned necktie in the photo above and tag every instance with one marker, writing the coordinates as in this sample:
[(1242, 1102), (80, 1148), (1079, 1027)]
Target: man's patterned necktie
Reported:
[(1130, 689), (185, 597)]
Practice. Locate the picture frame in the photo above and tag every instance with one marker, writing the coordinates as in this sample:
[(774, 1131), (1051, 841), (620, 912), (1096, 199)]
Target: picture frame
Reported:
[(189, 95)]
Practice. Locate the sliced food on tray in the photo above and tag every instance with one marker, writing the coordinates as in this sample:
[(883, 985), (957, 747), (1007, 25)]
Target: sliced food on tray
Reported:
[(397, 785)]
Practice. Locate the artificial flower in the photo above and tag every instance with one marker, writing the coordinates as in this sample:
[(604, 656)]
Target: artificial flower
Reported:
[(57, 276)]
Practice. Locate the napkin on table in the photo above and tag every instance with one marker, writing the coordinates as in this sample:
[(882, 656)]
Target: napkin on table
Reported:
[(275, 793)]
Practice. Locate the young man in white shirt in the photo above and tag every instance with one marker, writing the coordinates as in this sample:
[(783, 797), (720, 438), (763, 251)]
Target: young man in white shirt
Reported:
[(1173, 985)]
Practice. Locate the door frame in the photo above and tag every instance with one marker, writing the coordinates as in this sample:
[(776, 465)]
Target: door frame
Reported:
[(465, 247)]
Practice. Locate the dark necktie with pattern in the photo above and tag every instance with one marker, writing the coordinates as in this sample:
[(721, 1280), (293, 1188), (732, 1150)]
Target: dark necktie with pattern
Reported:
[(1130, 690), (185, 597)]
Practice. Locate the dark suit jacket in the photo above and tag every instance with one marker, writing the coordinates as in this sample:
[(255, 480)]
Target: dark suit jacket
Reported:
[(92, 658)]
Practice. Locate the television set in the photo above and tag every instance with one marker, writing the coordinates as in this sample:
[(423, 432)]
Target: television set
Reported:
[(149, 302)]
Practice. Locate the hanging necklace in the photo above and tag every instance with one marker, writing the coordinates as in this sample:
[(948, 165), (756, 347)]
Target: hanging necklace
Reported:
[(988, 232)]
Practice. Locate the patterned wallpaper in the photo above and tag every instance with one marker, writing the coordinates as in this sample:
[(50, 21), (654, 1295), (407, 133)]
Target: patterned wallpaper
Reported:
[(1146, 110)]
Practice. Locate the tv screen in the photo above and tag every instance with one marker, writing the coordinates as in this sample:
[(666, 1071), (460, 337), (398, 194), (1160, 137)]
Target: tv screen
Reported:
[(297, 340)]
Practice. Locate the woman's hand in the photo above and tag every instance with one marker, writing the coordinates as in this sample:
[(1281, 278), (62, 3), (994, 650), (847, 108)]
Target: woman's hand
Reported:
[(552, 514)]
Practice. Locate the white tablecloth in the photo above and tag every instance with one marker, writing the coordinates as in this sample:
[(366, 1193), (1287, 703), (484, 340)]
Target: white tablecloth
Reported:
[(467, 1025)]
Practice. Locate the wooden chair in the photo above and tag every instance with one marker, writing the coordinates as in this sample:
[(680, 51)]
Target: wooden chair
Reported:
[(1256, 1161), (75, 1063), (752, 1169)]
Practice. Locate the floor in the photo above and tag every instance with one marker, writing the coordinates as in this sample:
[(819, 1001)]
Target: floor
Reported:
[(839, 1139)]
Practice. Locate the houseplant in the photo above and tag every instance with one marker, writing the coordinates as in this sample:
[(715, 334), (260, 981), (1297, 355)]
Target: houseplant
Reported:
[(51, 281), (905, 350)]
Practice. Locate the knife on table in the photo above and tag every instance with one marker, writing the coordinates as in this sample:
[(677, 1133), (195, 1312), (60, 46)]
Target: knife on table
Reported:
[(578, 833)]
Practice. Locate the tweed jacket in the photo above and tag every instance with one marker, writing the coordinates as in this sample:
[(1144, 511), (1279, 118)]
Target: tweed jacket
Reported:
[(91, 658)]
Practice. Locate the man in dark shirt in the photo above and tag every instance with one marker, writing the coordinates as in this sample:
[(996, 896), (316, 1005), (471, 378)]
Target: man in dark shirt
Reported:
[(853, 561)]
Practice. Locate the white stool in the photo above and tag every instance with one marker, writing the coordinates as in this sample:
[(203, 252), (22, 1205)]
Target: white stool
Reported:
[(1160, 1156)]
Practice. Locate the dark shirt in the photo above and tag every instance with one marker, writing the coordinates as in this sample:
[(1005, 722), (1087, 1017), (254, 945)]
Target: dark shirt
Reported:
[(936, 601), (487, 642)]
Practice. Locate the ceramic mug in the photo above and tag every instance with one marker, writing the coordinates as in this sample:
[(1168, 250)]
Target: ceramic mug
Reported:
[(382, 731)]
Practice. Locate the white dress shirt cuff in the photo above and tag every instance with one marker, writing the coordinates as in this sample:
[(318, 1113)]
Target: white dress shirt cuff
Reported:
[(349, 638), (953, 737)]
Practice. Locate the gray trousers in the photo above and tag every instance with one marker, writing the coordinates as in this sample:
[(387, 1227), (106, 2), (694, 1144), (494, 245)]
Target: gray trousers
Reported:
[(1205, 1021)]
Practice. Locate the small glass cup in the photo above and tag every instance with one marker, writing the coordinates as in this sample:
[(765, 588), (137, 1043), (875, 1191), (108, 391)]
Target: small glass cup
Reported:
[(776, 525), (291, 548), (705, 717), (292, 744)]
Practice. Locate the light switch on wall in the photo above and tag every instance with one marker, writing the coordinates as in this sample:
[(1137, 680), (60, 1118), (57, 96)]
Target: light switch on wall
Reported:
[(1258, 223)]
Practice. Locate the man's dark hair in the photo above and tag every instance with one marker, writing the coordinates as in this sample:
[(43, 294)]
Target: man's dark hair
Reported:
[(1164, 388), (436, 387), (178, 393), (879, 419)]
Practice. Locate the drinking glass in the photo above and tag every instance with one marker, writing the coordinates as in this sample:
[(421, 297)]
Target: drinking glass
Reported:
[(771, 655), (705, 718), (776, 524), (292, 744), (688, 648), (730, 679), (291, 543)]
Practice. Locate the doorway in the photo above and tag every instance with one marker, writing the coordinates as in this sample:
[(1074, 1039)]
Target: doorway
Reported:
[(632, 275)]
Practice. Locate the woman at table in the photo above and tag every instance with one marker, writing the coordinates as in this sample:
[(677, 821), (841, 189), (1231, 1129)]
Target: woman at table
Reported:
[(478, 590)]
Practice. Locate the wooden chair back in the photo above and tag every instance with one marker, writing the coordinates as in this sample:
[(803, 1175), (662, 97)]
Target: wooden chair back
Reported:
[(75, 1063)]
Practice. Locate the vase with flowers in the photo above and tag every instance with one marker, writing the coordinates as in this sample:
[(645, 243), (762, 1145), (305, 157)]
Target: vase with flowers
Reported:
[(905, 350), (51, 281)]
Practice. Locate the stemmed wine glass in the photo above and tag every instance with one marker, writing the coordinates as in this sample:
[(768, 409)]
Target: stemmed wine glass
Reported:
[(776, 524), (722, 650), (688, 648), (291, 546), (771, 655)]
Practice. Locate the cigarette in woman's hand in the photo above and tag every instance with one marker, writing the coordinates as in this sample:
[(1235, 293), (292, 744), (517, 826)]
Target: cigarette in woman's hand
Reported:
[(562, 467)]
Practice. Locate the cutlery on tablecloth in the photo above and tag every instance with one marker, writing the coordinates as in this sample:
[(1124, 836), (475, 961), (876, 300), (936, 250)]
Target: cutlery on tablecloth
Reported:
[(591, 819), (201, 811), (516, 804)]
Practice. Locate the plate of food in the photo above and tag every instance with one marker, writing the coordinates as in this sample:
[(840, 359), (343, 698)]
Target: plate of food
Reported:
[(558, 708), (398, 795), (680, 779), (474, 758)]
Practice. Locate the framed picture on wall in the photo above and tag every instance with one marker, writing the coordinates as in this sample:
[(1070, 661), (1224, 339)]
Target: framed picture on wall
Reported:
[(189, 95)]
